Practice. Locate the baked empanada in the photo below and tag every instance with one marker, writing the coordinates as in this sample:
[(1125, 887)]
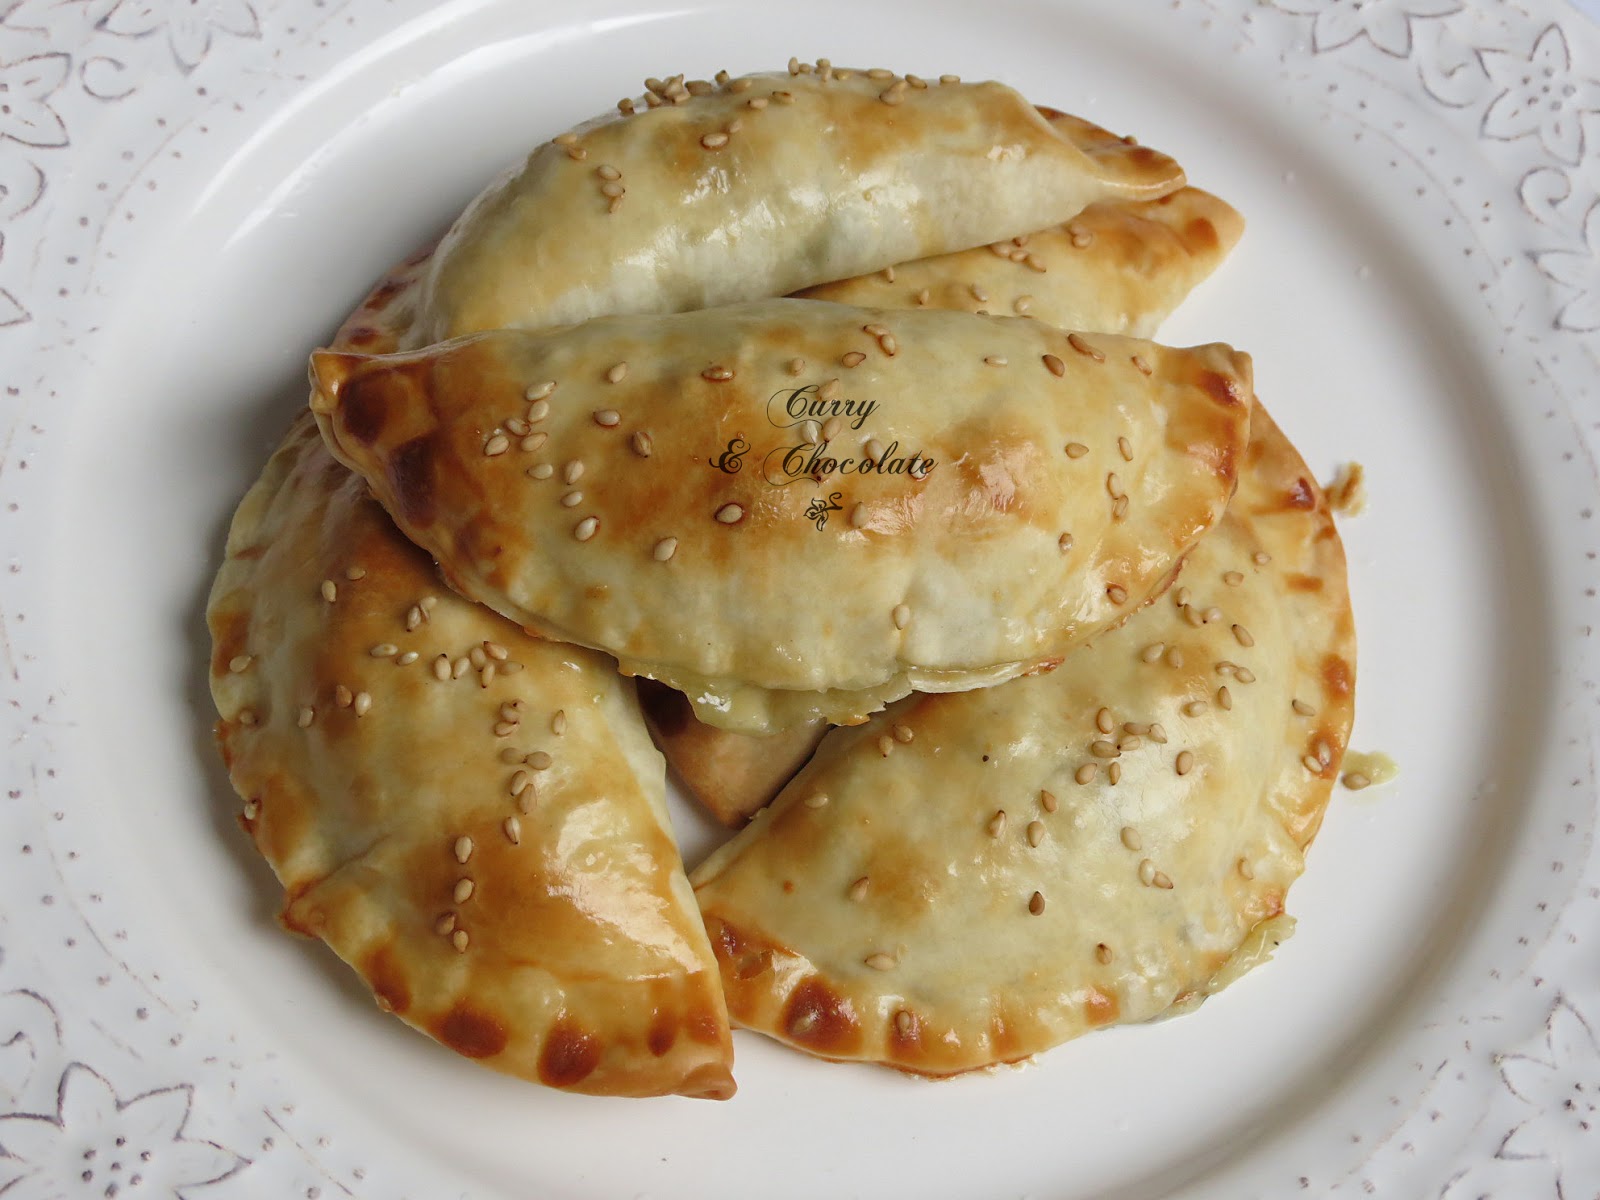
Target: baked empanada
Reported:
[(970, 879), (474, 819), (757, 186), (992, 491), (1118, 267)]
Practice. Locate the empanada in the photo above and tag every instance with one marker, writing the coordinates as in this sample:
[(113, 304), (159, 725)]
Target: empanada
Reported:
[(970, 879), (760, 185), (1118, 267), (474, 819), (992, 491)]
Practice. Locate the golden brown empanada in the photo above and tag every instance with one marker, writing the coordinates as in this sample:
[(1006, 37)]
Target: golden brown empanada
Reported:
[(1003, 490), (472, 818), (970, 879), (757, 186), (1119, 267)]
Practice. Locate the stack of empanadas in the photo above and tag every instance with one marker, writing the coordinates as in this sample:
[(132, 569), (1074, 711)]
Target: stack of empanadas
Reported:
[(820, 401)]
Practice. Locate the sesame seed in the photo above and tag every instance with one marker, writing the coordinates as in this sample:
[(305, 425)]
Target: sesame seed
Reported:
[(1102, 953), (641, 443), (1181, 597), (505, 728), (539, 760), (538, 411), (1047, 801), (888, 345), (541, 471), (885, 744), (832, 426), (1080, 237), (1036, 903), (874, 449), (1129, 741), (796, 366), (1323, 751), (441, 667), (497, 445), (305, 717), (520, 781), (1104, 721), (858, 889), (1140, 364), (1035, 832), (1174, 657), (1117, 594), (1194, 616), (1103, 749), (607, 171), (978, 293), (1232, 578), (811, 432), (717, 374), (1355, 781), (478, 656), (517, 426), (853, 359), (463, 849), (1158, 734), (343, 697), (794, 65), (949, 79), (1147, 872), (384, 650), (513, 830), (249, 718), (1084, 348), (1152, 652), (1244, 674), (1131, 839), (714, 141), (573, 471), (1114, 773), (829, 391), (1212, 614), (1064, 542), (539, 391), (880, 961), (585, 529), (901, 616), (459, 940), (1086, 773), (891, 96), (903, 734), (572, 499), (565, 139), (923, 297), (1162, 881), (355, 573), (1304, 709), (995, 360), (1185, 762), (607, 418), (445, 924), (414, 617), (783, 97), (730, 514), (330, 590), (1243, 636), (1261, 558), (1195, 708), (460, 667), (1246, 871), (558, 722), (1224, 698), (997, 823), (757, 102), (1119, 508), (617, 372), (1125, 448), (1135, 727), (1113, 484), (665, 549), (240, 663), (463, 890)]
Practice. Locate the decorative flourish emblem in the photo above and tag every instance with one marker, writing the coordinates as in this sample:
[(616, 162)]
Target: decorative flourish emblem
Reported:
[(819, 509)]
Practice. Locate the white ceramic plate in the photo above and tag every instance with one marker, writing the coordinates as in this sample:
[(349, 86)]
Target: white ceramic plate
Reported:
[(193, 192)]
